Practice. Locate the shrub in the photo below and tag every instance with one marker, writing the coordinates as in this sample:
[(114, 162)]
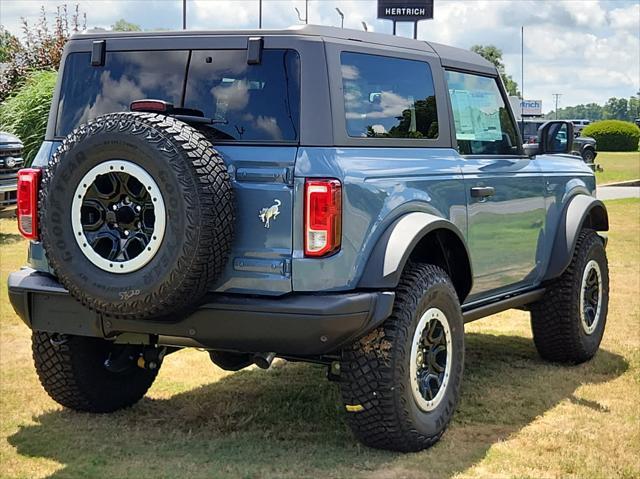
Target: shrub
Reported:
[(25, 113), (40, 48), (614, 135)]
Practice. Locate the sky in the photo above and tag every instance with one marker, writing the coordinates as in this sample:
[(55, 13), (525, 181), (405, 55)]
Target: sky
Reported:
[(586, 50)]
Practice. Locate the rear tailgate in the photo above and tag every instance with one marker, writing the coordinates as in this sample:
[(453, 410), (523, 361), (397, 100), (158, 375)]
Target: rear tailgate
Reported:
[(260, 261)]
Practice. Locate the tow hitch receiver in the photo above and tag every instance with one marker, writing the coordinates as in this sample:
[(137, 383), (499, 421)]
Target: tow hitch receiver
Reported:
[(147, 357)]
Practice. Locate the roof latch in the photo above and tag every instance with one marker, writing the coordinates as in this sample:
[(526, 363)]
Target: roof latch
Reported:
[(98, 53), (254, 50)]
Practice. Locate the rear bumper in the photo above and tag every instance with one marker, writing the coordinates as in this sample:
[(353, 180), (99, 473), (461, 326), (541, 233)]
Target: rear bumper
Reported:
[(296, 324)]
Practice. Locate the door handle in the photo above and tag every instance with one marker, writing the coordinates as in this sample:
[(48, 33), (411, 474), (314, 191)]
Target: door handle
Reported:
[(482, 191)]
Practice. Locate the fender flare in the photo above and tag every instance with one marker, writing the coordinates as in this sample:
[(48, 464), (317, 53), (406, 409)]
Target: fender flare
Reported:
[(393, 249), (582, 210)]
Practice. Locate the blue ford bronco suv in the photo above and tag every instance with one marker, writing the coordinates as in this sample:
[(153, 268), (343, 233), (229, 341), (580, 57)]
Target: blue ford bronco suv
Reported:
[(339, 197)]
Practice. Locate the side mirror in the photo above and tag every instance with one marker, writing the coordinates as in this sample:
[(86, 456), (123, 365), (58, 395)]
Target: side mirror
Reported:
[(555, 137), (530, 149)]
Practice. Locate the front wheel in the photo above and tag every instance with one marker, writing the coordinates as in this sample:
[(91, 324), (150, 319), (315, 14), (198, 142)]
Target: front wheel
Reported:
[(400, 384), (588, 155), (75, 372), (568, 322)]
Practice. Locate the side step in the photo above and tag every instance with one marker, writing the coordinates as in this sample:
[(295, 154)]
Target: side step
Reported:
[(487, 309)]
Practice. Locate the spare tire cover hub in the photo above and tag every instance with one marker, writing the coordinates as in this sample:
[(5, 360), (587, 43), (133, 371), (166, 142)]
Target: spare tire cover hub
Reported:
[(118, 216)]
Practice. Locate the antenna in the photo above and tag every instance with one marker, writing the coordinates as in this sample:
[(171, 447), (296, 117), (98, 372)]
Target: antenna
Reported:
[(184, 14), (341, 17), (364, 25)]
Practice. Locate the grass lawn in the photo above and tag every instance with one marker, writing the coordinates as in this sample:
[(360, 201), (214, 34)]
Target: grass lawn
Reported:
[(518, 416), (618, 166)]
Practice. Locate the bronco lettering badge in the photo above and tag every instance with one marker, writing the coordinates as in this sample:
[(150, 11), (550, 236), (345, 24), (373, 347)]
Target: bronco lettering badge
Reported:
[(270, 213)]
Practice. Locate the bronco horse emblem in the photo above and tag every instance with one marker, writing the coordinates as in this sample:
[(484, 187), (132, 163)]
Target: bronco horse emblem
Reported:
[(270, 213)]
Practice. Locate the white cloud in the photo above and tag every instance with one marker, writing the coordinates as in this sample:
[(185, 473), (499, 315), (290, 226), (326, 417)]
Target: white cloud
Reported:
[(588, 49), (626, 18), (586, 13)]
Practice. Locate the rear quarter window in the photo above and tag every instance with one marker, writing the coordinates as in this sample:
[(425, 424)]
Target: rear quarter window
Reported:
[(386, 97)]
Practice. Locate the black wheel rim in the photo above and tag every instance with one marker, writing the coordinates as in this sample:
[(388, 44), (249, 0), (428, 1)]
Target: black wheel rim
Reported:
[(118, 216), (591, 296), (431, 359)]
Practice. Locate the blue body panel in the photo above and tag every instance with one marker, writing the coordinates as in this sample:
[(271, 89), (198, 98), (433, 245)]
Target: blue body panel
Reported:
[(509, 235), (505, 229), (379, 185)]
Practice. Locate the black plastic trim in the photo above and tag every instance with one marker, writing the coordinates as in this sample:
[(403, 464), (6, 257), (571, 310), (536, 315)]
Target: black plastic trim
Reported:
[(296, 324), (387, 260), (573, 218), (514, 301)]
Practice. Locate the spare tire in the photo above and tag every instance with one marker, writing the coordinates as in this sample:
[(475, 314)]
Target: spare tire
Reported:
[(137, 215)]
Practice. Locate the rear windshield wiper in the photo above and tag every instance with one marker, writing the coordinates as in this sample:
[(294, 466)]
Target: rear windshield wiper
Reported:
[(190, 116)]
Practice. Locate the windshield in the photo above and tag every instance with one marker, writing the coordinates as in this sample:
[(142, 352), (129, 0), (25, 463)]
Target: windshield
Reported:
[(247, 102)]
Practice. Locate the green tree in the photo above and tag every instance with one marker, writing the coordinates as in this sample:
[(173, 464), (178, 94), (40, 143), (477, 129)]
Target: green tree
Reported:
[(616, 109), (494, 55), (123, 26), (9, 45), (634, 108), (40, 47)]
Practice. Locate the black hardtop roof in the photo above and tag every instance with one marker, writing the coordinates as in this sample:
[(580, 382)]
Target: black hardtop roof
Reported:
[(450, 56)]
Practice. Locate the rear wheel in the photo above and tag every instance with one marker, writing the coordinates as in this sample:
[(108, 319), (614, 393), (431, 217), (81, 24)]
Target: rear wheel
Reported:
[(400, 384), (568, 322), (73, 370)]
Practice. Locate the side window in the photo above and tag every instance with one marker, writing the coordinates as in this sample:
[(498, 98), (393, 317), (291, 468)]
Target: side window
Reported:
[(482, 122), (387, 97)]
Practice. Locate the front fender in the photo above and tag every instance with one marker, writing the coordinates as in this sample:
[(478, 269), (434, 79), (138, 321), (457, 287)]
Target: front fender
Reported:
[(581, 211), (391, 253)]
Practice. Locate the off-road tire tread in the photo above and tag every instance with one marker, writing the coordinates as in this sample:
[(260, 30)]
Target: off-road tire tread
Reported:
[(66, 374), (213, 210), (553, 318), (366, 377)]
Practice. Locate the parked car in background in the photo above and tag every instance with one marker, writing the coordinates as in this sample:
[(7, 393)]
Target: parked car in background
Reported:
[(578, 125), (10, 162), (584, 146)]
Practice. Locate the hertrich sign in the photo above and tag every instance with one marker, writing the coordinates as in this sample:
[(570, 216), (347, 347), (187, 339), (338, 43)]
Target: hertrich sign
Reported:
[(405, 10)]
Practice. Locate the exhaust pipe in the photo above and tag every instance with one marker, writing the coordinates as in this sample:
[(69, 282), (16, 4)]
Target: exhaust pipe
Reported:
[(263, 360)]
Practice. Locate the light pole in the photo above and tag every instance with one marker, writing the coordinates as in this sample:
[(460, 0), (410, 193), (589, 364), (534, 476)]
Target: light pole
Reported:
[(522, 63), (306, 13), (341, 17), (260, 14), (557, 96)]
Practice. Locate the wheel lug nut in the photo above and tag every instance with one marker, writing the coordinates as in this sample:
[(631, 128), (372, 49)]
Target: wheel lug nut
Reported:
[(114, 207), (138, 208), (126, 232)]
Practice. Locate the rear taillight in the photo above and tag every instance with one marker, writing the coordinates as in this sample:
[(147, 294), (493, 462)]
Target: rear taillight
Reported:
[(322, 217), (28, 185)]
